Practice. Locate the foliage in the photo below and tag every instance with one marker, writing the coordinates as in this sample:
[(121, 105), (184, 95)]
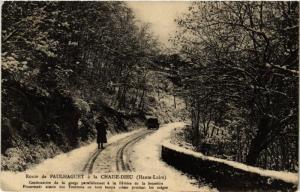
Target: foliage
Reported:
[(79, 47), (242, 63), (61, 58)]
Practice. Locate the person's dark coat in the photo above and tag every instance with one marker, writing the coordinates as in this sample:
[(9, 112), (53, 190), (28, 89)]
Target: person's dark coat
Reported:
[(101, 126)]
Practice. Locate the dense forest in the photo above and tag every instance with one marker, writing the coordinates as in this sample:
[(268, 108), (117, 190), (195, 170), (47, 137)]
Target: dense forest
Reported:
[(64, 63), (239, 74), (234, 69)]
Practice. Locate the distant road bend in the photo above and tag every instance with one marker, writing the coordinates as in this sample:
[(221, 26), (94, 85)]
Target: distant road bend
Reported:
[(115, 156)]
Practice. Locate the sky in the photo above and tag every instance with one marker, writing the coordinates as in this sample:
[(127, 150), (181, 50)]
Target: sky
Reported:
[(161, 15)]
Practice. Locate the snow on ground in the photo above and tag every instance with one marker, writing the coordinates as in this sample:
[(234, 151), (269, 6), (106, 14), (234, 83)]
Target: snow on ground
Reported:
[(147, 161), (178, 137), (71, 162), (281, 175)]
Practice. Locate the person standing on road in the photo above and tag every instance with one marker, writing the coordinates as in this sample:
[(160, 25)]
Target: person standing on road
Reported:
[(101, 126)]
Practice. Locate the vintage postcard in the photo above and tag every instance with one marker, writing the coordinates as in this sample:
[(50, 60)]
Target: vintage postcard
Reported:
[(149, 96)]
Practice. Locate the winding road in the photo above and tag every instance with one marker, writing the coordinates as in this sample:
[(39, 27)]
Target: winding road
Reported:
[(121, 154), (115, 157)]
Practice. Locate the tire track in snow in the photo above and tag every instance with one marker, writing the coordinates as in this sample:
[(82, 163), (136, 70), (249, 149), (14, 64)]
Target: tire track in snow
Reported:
[(123, 147), (88, 167), (122, 163)]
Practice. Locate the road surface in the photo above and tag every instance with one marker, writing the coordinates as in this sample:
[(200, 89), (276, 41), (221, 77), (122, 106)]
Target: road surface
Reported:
[(137, 151), (116, 156)]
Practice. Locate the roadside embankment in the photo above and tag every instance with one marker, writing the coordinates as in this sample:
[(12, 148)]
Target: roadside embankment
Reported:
[(227, 175)]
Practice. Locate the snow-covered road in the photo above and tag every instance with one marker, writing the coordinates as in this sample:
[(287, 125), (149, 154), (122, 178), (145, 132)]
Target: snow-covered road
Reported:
[(116, 157), (137, 151), (148, 161)]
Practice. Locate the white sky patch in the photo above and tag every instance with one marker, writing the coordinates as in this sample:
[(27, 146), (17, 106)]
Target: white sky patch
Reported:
[(147, 161), (161, 15)]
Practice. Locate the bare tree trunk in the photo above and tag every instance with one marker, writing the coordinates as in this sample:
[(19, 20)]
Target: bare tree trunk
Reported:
[(135, 99), (142, 100), (212, 131), (196, 120), (260, 141), (174, 101)]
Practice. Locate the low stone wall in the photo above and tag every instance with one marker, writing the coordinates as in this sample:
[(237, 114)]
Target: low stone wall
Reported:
[(221, 175)]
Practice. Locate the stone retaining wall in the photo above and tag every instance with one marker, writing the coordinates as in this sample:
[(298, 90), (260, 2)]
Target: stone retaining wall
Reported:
[(221, 175)]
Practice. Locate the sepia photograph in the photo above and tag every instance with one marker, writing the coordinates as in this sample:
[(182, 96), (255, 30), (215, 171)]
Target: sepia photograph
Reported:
[(158, 96)]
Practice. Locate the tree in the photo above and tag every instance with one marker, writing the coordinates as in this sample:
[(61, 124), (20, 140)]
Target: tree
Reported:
[(55, 54), (245, 54), (89, 49)]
